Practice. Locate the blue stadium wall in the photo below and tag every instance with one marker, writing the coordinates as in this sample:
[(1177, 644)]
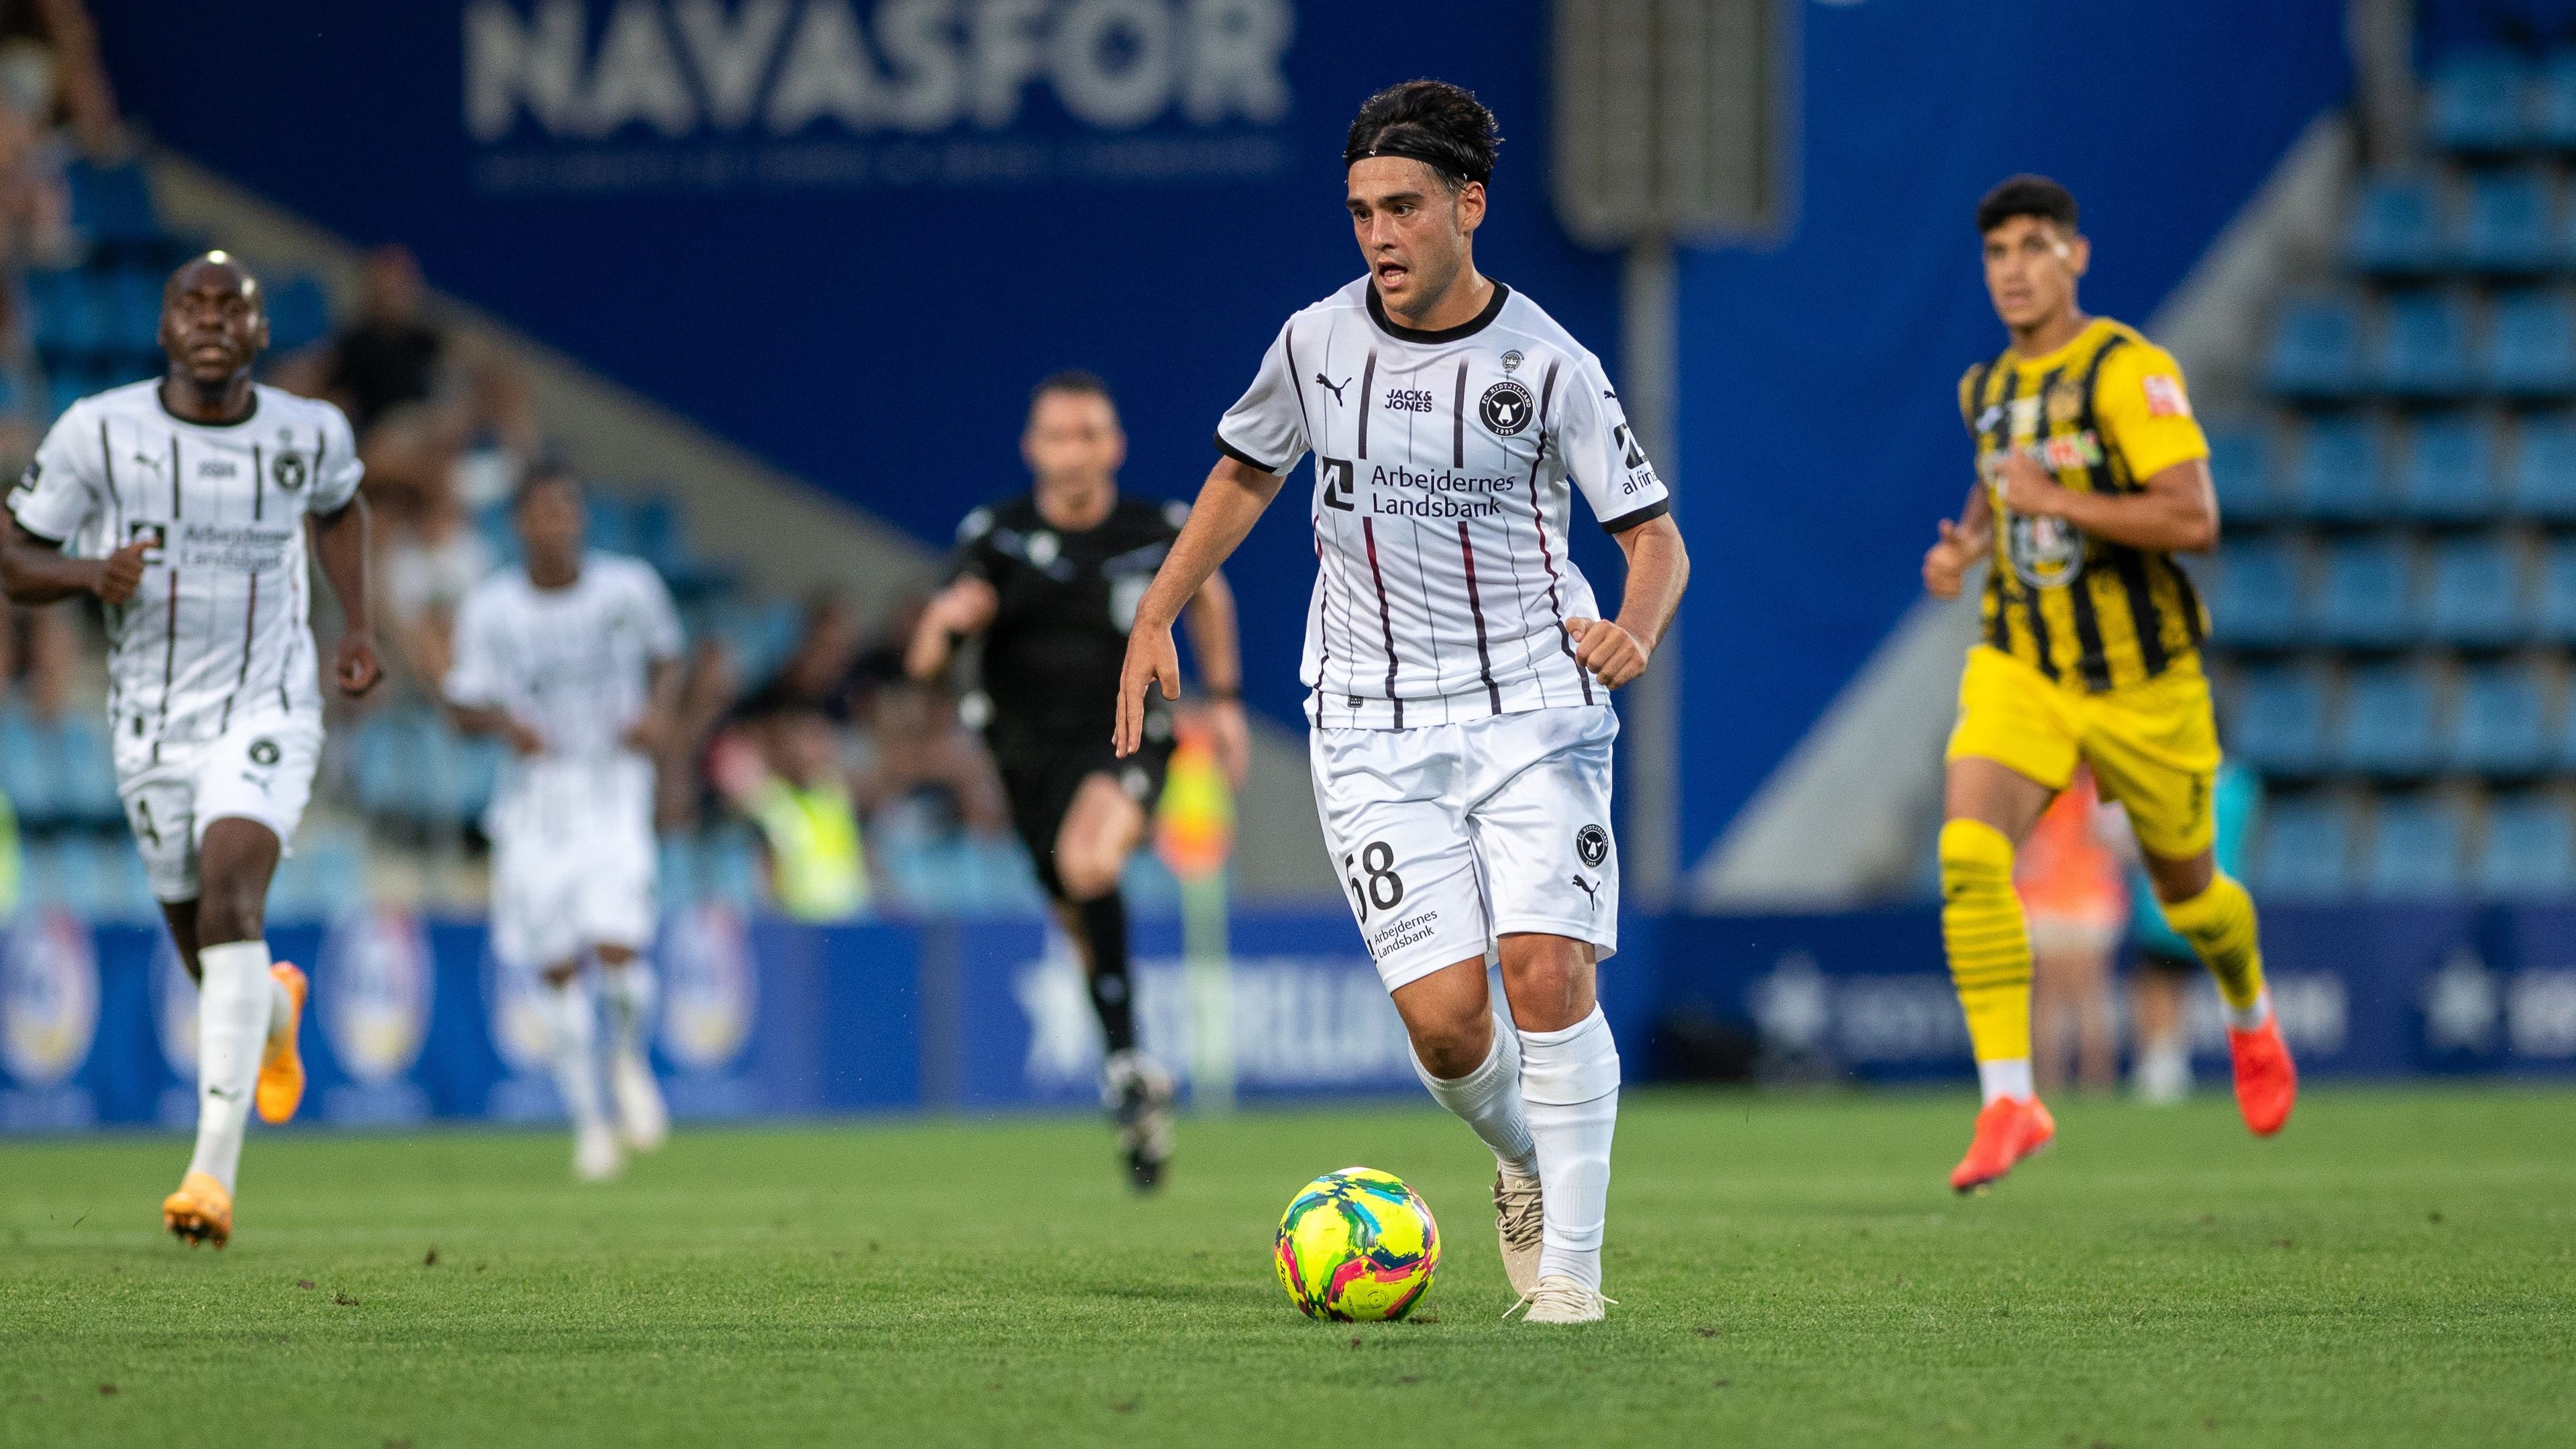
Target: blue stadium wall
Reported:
[(865, 304)]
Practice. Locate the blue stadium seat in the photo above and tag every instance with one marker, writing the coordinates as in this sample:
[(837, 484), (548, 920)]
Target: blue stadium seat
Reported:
[(112, 203), (2475, 596), (2502, 726), (132, 302), (612, 524), (2556, 615), (2306, 849), (84, 771), (26, 775), (2390, 724), (2337, 477), (65, 319), (2508, 227), (2280, 721), (2531, 351), (2316, 352), (391, 767), (2415, 849), (299, 314), (2255, 604), (2424, 348), (2542, 481), (2448, 475), (2396, 228), (2530, 850), (2479, 102), (2363, 600), (2240, 467), (2554, 102)]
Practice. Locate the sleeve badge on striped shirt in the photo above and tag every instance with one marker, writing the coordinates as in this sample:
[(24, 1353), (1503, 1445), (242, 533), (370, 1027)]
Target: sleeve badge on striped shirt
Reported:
[(2165, 397)]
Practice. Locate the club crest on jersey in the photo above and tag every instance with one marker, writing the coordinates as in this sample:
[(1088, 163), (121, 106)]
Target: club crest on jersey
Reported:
[(1512, 360), (2047, 553), (1592, 844), (2065, 403), (288, 472), (263, 752), (1506, 408)]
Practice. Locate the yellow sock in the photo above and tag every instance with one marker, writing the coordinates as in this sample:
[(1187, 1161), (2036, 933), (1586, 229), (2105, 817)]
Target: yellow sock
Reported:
[(1981, 928), (2220, 925)]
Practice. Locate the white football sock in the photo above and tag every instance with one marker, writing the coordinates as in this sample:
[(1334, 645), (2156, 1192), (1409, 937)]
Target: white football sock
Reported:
[(1570, 1089), (2249, 1018), (1488, 1099), (628, 992), (576, 1072), (234, 998), (2007, 1078), (281, 1007)]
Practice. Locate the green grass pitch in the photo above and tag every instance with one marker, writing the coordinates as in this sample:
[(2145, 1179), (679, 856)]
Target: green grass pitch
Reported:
[(2395, 1269)]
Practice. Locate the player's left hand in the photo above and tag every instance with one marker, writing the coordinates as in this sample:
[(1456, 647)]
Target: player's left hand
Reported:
[(2029, 491), (1614, 655), (648, 734), (354, 664), (1151, 659), (1230, 736)]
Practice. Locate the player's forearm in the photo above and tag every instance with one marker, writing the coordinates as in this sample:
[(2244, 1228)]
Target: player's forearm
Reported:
[(1213, 640), (2166, 521), (1977, 523), (30, 574), (1229, 503), (662, 689), (340, 545), (479, 719), (1658, 571)]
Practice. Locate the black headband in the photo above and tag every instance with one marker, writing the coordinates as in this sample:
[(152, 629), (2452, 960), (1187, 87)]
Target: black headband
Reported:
[(1415, 143)]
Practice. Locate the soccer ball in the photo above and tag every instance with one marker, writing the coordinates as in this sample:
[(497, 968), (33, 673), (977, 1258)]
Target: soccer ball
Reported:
[(1357, 1246)]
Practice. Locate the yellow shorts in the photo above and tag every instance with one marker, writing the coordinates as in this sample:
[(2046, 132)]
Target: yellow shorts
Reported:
[(2153, 746)]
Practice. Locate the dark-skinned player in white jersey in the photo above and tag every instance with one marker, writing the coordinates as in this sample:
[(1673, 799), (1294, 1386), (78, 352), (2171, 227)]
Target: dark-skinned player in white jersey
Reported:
[(1049, 580), (1459, 668), (173, 502)]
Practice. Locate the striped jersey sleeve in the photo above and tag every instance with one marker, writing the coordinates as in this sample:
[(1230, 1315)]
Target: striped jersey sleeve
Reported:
[(1266, 427)]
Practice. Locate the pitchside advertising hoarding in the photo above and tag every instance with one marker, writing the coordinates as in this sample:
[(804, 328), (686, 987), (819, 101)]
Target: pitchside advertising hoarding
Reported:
[(413, 1020)]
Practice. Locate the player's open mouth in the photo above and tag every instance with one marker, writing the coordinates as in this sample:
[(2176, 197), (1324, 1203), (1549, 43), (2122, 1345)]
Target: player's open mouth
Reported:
[(1391, 273)]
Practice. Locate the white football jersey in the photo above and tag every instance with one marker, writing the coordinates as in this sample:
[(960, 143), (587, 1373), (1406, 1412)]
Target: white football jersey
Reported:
[(1445, 467), (574, 664), (220, 623)]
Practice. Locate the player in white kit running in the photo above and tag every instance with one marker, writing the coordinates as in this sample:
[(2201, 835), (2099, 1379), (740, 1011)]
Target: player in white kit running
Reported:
[(1460, 671), (183, 504), (573, 660)]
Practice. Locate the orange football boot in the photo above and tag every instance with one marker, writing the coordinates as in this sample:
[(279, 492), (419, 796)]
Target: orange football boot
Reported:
[(199, 1212), (281, 1066), (2267, 1081), (2008, 1130)]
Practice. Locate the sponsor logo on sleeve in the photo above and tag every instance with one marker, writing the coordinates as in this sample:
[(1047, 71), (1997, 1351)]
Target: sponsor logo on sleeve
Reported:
[(2165, 397)]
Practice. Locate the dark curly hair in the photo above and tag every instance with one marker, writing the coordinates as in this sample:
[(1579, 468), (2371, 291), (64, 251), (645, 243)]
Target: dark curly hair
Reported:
[(1440, 125)]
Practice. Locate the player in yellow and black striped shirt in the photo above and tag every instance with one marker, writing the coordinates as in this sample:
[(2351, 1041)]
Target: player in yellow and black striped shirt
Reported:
[(2091, 475)]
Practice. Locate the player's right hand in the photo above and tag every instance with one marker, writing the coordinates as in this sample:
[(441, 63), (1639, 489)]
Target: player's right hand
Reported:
[(1946, 563), (1151, 659), (121, 573)]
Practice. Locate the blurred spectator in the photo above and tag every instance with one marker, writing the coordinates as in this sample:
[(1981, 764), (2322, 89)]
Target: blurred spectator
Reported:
[(2068, 874), (432, 554), (705, 695), (390, 355), (920, 749), (817, 675), (50, 70), (786, 775)]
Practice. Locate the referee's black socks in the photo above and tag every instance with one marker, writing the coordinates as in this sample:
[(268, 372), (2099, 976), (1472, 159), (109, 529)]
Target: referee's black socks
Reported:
[(1104, 928)]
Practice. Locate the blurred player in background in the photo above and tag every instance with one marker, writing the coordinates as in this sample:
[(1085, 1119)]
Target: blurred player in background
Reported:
[(2068, 876), (2161, 1070), (1050, 580), (2092, 474), (183, 505), (573, 661), (1459, 667)]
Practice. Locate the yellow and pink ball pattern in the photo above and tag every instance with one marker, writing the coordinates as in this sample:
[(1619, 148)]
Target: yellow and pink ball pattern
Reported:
[(1357, 1246)]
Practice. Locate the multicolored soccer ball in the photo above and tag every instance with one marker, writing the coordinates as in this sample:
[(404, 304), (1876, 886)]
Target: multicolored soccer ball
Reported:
[(1357, 1246)]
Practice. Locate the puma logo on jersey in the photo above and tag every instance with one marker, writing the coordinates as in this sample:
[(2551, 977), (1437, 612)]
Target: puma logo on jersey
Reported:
[(1335, 387), (148, 461)]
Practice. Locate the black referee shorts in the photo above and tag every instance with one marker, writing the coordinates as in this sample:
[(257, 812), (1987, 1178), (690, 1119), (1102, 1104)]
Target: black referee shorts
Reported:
[(1040, 781)]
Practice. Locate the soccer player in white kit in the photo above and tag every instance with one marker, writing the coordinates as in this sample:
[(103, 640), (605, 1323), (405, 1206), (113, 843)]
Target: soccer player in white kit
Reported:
[(1460, 671), (573, 660), (183, 504)]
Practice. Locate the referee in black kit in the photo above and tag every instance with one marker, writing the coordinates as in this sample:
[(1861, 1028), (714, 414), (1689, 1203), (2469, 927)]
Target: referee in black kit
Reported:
[(1051, 579)]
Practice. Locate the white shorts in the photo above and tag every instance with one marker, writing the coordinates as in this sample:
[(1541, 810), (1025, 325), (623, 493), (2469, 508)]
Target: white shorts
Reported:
[(1448, 836), (573, 863), (258, 768)]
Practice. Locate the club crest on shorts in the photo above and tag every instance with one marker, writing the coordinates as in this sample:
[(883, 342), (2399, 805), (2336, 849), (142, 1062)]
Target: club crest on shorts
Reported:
[(1592, 844), (1506, 408), (264, 752)]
